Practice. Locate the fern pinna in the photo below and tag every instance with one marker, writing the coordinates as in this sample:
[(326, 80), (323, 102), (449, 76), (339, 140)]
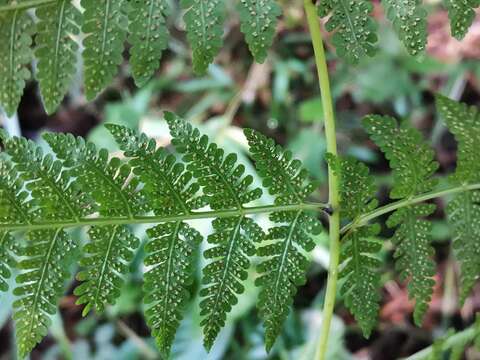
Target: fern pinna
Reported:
[(43, 195), (103, 27)]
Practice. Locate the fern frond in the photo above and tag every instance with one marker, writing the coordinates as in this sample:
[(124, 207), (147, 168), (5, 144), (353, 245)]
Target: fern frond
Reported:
[(56, 50), (223, 276), (358, 261), (169, 253), (285, 264), (148, 35), (463, 121), (461, 14), (258, 20), (464, 209), (355, 30), (7, 260), (106, 258), (464, 214), (360, 270), (16, 31), (414, 254), (107, 182), (105, 26), (413, 168), (204, 22), (13, 208), (47, 258), (409, 19), (223, 182)]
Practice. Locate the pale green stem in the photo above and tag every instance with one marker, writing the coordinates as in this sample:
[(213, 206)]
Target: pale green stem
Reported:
[(333, 181), (462, 337), (364, 219), (26, 5)]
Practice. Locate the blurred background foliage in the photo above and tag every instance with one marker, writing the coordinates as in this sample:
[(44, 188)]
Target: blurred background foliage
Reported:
[(280, 98)]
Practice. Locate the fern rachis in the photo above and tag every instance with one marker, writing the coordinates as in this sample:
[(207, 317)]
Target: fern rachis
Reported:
[(105, 26), (83, 186)]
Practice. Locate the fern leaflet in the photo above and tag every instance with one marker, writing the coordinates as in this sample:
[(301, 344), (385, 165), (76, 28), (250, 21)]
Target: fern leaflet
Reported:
[(105, 26), (285, 264), (148, 36), (358, 259), (106, 180), (461, 14), (16, 31), (56, 50), (204, 22), (12, 208), (46, 257), (464, 209), (413, 167), (409, 19), (258, 22), (170, 251), (225, 186), (354, 36)]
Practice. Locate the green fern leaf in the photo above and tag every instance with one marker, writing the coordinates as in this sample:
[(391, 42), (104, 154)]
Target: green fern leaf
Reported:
[(414, 253), (359, 263), (106, 182), (222, 181), (148, 36), (464, 214), (409, 19), (40, 285), (232, 244), (258, 20), (204, 21), (56, 50), (463, 121), (285, 264), (354, 36), (16, 31), (413, 168), (7, 260), (461, 14), (12, 209), (46, 257), (170, 252), (106, 258), (464, 209), (105, 26)]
